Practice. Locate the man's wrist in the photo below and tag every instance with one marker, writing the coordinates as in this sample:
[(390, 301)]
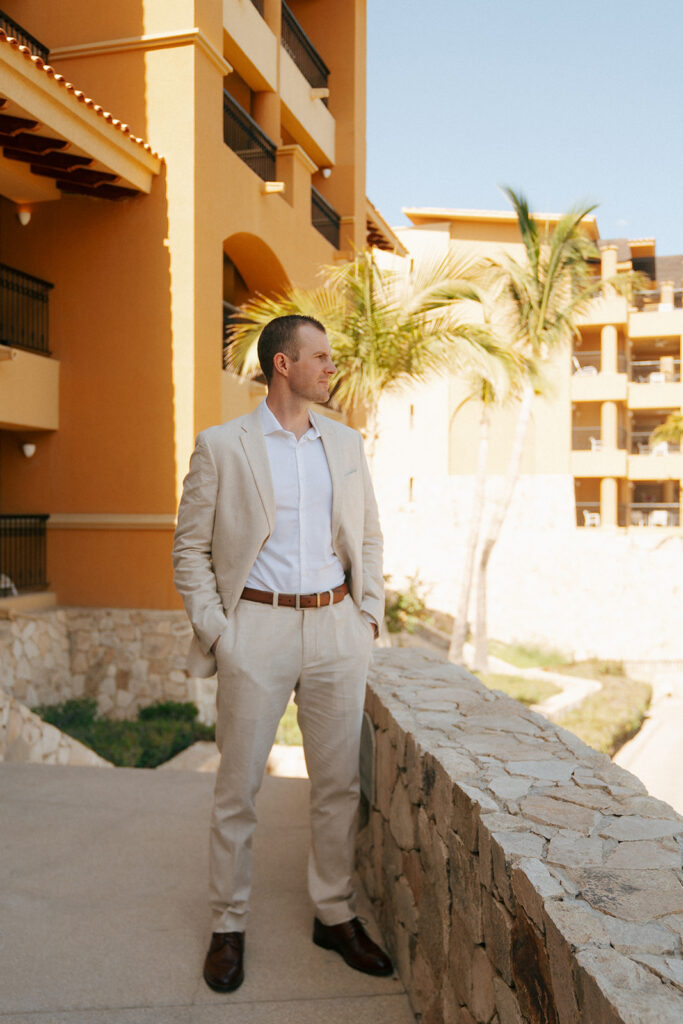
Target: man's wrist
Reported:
[(372, 621)]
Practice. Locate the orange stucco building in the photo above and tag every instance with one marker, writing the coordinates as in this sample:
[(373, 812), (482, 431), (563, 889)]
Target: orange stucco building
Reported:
[(206, 150)]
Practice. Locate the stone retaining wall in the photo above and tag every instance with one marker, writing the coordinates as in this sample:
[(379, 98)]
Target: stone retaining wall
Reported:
[(25, 737), (518, 875), (125, 658)]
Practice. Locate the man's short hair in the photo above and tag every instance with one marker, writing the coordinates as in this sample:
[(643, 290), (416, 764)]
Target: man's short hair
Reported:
[(281, 335)]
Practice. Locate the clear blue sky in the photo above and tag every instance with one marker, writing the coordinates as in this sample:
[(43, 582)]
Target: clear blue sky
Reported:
[(565, 101)]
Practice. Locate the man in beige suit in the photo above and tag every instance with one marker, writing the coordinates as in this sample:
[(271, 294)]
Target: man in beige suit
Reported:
[(278, 558)]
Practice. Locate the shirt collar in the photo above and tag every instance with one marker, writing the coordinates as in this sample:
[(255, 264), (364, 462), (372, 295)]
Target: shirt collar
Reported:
[(272, 425)]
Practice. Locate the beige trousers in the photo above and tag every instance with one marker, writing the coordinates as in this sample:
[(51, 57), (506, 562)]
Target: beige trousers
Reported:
[(263, 654)]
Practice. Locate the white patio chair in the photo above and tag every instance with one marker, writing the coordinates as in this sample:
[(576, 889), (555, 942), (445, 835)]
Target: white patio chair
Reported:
[(596, 444), (591, 518), (658, 517), (656, 377), (583, 371), (661, 448)]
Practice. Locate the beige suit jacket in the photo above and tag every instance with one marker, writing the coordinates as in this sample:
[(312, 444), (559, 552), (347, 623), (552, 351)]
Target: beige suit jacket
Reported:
[(227, 513)]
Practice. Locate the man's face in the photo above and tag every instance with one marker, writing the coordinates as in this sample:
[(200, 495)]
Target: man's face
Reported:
[(309, 376)]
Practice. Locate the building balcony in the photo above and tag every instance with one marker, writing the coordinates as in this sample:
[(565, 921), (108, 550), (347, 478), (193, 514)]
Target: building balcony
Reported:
[(303, 93), (655, 323), (324, 218), (14, 30), (656, 462), (22, 554), (588, 514), (589, 384), (657, 514), (599, 462), (656, 370), (249, 45), (24, 310), (29, 379), (659, 394), (251, 144), (302, 51)]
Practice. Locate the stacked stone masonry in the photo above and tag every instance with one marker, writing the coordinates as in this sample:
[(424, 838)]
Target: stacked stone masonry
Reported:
[(26, 737), (518, 875), (125, 658)]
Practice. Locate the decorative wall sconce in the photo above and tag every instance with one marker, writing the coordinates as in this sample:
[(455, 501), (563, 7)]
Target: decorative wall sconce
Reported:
[(29, 450), (23, 215), (326, 172)]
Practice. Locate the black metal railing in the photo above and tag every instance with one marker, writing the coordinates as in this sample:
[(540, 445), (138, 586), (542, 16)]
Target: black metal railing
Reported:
[(303, 52), (22, 553), (258, 4), (245, 138), (13, 28), (324, 218), (24, 310)]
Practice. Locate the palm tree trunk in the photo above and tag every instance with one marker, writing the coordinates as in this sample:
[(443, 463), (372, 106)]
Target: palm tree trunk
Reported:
[(371, 433), (481, 655), (459, 635)]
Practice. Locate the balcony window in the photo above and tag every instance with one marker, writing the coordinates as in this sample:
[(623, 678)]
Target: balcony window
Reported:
[(242, 134), (302, 51), (24, 308), (324, 218), (14, 29), (22, 553)]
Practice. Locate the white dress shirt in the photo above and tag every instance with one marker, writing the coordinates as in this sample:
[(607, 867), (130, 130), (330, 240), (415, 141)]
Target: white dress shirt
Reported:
[(298, 557)]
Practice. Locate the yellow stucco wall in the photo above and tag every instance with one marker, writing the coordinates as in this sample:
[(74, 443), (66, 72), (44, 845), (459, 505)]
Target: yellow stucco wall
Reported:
[(136, 308)]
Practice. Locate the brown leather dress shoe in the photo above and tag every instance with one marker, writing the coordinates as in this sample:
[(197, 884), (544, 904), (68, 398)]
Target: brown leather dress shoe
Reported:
[(224, 964), (352, 942)]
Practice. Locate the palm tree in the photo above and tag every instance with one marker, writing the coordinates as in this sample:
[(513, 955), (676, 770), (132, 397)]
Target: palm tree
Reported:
[(542, 300), (387, 326), (490, 392), (670, 430)]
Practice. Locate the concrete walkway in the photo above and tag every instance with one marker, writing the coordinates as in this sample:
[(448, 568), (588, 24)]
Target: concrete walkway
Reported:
[(103, 915), (655, 754)]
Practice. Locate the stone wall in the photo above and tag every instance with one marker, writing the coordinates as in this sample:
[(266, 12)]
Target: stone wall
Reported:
[(518, 875), (25, 737), (125, 658)]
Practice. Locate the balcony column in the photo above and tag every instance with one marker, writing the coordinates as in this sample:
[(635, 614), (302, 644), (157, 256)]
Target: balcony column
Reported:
[(272, 15), (666, 296), (668, 492), (608, 424), (295, 168), (608, 266), (266, 113), (608, 349), (608, 501)]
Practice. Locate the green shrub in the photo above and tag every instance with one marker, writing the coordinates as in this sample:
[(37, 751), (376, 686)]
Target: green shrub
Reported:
[(160, 732), (406, 608)]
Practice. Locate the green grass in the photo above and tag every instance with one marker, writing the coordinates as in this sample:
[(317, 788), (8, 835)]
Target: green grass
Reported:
[(160, 731), (527, 691), (607, 719), (288, 731), (527, 655)]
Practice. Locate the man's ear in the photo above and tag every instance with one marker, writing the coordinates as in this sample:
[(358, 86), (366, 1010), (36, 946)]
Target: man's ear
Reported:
[(280, 363)]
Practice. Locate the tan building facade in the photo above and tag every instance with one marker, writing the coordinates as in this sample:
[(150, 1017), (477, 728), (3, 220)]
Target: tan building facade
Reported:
[(593, 532), (160, 161)]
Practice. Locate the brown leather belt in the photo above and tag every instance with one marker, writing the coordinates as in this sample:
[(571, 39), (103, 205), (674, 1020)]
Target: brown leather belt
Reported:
[(320, 600)]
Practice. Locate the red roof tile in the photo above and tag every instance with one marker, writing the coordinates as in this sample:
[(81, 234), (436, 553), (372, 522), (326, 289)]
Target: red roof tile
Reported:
[(80, 96)]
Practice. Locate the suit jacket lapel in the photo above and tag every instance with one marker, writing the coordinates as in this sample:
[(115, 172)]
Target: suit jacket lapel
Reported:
[(333, 455), (254, 444)]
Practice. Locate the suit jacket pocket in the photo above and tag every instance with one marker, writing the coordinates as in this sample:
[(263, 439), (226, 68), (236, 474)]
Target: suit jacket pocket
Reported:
[(199, 664)]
